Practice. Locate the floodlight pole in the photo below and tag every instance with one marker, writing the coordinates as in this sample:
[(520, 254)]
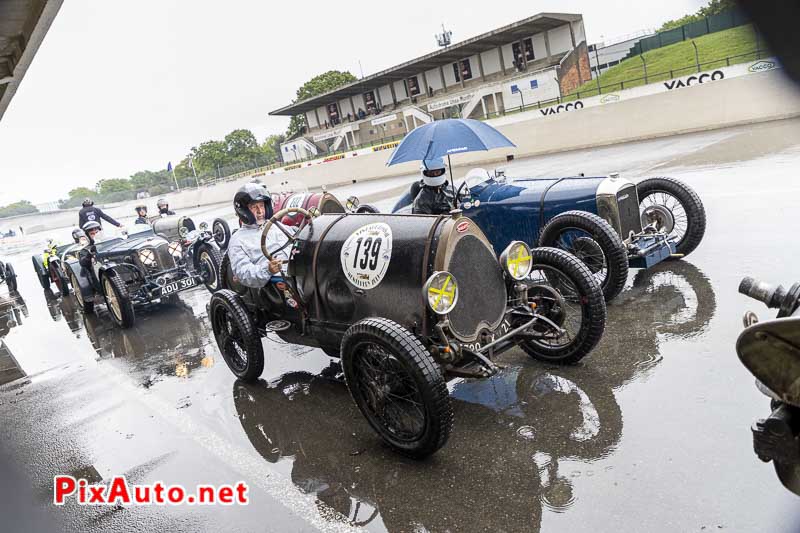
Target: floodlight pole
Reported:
[(696, 56), (644, 62)]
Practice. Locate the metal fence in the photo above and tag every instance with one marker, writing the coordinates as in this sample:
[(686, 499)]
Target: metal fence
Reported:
[(721, 21)]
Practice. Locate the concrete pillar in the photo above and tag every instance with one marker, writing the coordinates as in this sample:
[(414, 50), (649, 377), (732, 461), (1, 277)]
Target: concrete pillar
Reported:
[(547, 44), (524, 55), (480, 67), (483, 105), (494, 101), (502, 61), (441, 75), (391, 88), (353, 107), (572, 35), (424, 83), (377, 93), (316, 114)]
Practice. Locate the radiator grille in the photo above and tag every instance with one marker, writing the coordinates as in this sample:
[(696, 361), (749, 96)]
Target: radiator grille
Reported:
[(482, 290), (628, 204)]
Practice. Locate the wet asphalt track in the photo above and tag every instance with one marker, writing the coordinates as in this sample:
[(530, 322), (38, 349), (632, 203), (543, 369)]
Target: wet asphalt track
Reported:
[(649, 433)]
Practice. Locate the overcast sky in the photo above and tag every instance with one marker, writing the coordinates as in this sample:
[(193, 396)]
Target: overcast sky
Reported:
[(118, 87)]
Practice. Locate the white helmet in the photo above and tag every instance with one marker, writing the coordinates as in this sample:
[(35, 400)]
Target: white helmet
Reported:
[(433, 172)]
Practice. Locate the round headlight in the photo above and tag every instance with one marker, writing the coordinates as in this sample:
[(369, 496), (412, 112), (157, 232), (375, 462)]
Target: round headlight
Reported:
[(175, 248), (183, 232), (147, 257), (352, 203), (203, 226), (517, 260), (441, 292)]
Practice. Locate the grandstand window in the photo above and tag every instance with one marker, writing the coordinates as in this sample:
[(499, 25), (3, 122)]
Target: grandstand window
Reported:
[(529, 56), (413, 86), (369, 100), (466, 69)]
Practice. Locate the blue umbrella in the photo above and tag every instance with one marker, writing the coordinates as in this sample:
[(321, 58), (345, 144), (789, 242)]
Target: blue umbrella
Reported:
[(447, 137)]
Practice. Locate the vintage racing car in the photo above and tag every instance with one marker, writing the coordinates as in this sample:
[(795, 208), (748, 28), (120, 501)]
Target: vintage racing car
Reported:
[(408, 302), (49, 266), (133, 269), (195, 247), (608, 222)]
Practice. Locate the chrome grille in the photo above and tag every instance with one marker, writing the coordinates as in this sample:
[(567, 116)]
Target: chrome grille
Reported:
[(628, 206), (164, 257), (482, 289)]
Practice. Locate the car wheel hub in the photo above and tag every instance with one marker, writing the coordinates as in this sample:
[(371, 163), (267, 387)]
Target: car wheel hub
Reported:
[(549, 303), (661, 216)]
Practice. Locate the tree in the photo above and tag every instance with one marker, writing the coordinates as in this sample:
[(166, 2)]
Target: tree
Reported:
[(317, 85), (114, 185), (272, 147), (714, 7), (22, 207), (82, 192), (209, 155)]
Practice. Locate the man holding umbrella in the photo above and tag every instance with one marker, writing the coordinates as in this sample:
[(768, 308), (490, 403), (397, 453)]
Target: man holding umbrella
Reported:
[(433, 198)]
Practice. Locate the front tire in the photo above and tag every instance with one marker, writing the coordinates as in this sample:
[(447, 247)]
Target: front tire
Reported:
[(684, 211), (236, 335), (595, 242), (581, 310), (44, 278), (86, 306), (209, 262), (118, 301), (398, 386)]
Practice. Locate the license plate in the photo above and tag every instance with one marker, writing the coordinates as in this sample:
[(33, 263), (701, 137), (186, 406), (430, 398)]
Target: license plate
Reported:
[(502, 329), (177, 286)]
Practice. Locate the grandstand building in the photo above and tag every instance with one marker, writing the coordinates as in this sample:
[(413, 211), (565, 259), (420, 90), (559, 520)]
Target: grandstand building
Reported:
[(532, 60)]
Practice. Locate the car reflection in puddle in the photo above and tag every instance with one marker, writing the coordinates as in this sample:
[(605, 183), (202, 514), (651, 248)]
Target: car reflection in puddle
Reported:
[(168, 340), (12, 312)]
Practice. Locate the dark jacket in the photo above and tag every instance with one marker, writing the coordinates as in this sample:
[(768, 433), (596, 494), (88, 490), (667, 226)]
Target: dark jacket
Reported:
[(433, 201), (92, 213), (166, 212), (85, 256), (142, 220)]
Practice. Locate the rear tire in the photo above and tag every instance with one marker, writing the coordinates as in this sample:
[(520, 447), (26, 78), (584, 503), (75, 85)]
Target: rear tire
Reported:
[(581, 294), (236, 335), (210, 262), (694, 226), (60, 280), (86, 306), (221, 232), (11, 278), (44, 278), (118, 301), (565, 229), (380, 358)]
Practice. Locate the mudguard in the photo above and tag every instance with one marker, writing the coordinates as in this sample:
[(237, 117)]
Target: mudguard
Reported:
[(87, 291), (38, 265), (206, 237)]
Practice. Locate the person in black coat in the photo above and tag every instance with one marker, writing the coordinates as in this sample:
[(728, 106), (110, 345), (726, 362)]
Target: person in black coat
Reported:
[(141, 210), (90, 213), (434, 196), (163, 208)]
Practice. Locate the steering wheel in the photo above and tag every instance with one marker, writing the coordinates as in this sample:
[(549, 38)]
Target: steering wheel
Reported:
[(291, 237)]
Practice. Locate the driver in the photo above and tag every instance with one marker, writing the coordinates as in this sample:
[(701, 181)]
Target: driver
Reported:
[(163, 207), (93, 231), (141, 210), (253, 205), (77, 233), (433, 197)]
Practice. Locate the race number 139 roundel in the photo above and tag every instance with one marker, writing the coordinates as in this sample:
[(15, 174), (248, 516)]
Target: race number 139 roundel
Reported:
[(366, 255)]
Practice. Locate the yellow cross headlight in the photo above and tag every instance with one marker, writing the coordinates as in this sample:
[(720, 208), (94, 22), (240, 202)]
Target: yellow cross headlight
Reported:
[(147, 256), (517, 260), (441, 292)]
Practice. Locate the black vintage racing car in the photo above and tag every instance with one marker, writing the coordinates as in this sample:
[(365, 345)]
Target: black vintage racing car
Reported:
[(49, 266), (134, 269), (407, 302), (195, 247)]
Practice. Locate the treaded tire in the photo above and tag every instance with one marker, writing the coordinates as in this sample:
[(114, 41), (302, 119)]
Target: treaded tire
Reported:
[(593, 309), (419, 366), (86, 307), (221, 232), (124, 306), (229, 315), (367, 208), (214, 262), (603, 234), (695, 212), (11, 278), (61, 281)]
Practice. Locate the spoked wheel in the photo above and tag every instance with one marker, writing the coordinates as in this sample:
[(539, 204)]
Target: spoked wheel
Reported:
[(118, 301), (221, 232), (86, 306), (58, 277), (398, 386), (11, 277), (675, 209), (566, 293), (236, 335), (209, 263), (595, 242)]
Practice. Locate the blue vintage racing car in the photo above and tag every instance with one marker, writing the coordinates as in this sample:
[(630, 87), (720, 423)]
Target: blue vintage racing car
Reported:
[(608, 222)]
